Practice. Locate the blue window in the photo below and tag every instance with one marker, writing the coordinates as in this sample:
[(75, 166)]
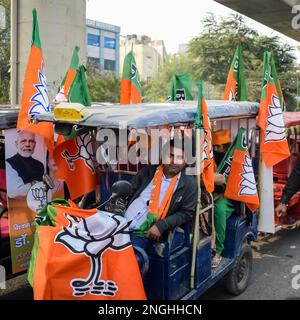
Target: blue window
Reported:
[(109, 65), (93, 40), (109, 43)]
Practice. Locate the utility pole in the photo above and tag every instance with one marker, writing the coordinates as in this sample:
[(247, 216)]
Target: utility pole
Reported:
[(62, 25)]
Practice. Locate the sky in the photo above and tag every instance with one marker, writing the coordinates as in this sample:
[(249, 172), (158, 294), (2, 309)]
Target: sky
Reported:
[(174, 21)]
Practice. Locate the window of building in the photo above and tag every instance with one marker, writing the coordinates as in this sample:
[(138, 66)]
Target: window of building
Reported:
[(93, 40), (109, 43), (109, 65), (93, 65)]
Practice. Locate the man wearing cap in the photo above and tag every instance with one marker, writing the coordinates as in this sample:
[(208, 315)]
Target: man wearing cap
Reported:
[(223, 207)]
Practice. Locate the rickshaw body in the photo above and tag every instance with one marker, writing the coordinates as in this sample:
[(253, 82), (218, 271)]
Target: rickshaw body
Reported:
[(8, 120), (282, 170), (179, 267)]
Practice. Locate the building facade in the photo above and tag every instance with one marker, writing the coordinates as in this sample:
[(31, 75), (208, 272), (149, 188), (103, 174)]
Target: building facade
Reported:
[(103, 43), (149, 54)]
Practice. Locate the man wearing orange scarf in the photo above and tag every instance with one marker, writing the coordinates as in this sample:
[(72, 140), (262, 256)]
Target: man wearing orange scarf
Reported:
[(164, 197)]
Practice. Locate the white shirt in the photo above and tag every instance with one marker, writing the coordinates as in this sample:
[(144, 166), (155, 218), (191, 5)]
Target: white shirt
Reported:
[(14, 181), (137, 212)]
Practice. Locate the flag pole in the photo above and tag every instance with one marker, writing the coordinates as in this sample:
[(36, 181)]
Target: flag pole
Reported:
[(199, 128)]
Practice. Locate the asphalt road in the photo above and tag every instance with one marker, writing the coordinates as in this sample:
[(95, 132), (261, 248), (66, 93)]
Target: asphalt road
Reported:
[(274, 258)]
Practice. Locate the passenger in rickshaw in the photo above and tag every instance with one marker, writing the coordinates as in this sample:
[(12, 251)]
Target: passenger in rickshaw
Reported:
[(224, 207), (164, 197), (291, 187)]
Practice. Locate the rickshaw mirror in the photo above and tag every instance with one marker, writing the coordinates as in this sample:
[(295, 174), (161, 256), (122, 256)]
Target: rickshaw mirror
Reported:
[(121, 188), (63, 129)]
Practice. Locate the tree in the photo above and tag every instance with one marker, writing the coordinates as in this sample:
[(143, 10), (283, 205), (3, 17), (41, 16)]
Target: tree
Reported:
[(210, 54), (104, 87), (212, 51), (5, 55), (157, 89)]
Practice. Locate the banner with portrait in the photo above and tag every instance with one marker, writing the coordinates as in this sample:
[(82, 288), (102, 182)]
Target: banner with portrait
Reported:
[(31, 184)]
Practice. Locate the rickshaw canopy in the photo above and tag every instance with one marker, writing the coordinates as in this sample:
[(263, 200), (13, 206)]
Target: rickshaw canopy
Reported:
[(8, 117), (150, 114)]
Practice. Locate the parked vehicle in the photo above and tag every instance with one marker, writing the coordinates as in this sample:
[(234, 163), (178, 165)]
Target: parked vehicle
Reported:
[(282, 171), (179, 266), (8, 119)]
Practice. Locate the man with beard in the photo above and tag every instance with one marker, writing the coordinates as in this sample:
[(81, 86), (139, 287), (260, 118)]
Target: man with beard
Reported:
[(164, 197), (22, 169), (223, 206)]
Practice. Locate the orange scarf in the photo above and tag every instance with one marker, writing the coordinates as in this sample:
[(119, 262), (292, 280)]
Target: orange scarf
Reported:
[(153, 206)]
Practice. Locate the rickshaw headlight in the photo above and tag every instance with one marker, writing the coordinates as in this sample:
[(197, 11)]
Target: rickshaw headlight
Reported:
[(72, 112)]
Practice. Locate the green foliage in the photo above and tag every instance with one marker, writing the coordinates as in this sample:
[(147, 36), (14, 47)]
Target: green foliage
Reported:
[(104, 87), (212, 51), (5, 55), (210, 55), (157, 89)]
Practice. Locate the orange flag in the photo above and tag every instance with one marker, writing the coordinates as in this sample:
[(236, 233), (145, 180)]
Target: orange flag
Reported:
[(75, 164), (131, 89), (69, 78), (83, 255), (235, 89), (35, 98), (202, 121), (238, 171), (273, 144)]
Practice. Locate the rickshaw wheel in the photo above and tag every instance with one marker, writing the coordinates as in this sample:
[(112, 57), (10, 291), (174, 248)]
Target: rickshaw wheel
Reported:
[(237, 280)]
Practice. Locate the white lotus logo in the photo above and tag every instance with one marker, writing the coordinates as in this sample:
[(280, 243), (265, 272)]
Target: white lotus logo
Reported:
[(232, 96), (92, 237), (41, 98), (248, 184), (275, 130), (85, 153), (207, 147)]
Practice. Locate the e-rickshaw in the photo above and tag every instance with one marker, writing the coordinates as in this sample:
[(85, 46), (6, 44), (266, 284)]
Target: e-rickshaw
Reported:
[(8, 120), (282, 170), (179, 267)]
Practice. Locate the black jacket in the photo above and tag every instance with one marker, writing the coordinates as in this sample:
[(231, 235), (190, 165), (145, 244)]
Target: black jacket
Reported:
[(28, 169), (183, 204), (292, 184)]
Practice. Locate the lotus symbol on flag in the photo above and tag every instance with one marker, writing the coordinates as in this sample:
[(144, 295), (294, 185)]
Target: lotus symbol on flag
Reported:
[(232, 96), (248, 185), (93, 236), (275, 130), (40, 99), (85, 153)]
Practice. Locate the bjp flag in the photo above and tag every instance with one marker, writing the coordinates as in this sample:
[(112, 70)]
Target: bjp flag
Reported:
[(83, 255), (202, 121), (75, 164), (68, 80), (273, 143), (35, 98), (238, 171), (235, 89), (181, 88), (131, 89)]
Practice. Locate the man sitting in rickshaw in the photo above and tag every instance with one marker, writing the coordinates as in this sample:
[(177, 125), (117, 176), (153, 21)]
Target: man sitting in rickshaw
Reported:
[(164, 197), (223, 207)]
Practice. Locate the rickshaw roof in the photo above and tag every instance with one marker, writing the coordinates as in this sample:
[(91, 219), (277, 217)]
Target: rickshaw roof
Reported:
[(158, 114), (8, 116)]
